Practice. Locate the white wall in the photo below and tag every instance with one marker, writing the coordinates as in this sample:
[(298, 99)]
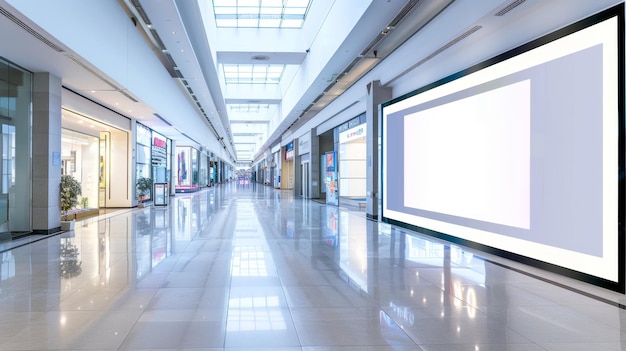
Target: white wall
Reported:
[(100, 32), (498, 35)]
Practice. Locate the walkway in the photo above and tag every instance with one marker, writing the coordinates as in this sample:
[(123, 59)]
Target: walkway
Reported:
[(253, 268)]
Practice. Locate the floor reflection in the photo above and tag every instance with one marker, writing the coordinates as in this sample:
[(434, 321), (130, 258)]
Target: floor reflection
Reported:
[(248, 266)]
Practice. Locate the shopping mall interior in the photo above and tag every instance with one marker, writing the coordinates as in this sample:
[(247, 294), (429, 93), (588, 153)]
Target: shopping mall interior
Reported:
[(312, 175)]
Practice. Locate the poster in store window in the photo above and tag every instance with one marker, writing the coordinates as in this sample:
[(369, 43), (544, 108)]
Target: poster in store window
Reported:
[(332, 192), (102, 175)]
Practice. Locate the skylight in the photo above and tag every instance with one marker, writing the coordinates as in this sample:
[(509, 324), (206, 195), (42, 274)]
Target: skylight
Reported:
[(249, 107), (260, 13), (253, 74)]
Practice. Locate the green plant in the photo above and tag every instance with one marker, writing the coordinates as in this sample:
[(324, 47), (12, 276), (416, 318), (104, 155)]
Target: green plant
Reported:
[(144, 185), (70, 189)]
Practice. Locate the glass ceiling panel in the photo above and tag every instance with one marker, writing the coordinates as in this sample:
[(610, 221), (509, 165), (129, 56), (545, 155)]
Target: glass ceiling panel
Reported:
[(298, 3), (271, 10), (260, 13), (248, 107), (273, 3), (253, 74), (225, 10), (269, 23), (244, 3), (291, 24), (226, 23)]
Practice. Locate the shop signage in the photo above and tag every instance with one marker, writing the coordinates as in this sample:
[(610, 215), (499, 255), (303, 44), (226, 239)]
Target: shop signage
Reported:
[(352, 134), (159, 151), (159, 143), (159, 148), (276, 148), (289, 151), (304, 144)]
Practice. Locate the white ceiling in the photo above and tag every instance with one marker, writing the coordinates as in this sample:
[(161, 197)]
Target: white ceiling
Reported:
[(290, 47), (198, 54)]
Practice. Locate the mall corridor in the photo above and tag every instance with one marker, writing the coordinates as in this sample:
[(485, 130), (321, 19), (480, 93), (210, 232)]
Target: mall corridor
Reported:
[(248, 267)]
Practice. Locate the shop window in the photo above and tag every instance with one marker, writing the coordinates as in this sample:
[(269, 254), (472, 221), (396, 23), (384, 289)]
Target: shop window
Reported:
[(8, 157)]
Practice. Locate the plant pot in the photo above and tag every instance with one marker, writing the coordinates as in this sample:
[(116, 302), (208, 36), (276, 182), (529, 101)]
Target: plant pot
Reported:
[(67, 225), (141, 205)]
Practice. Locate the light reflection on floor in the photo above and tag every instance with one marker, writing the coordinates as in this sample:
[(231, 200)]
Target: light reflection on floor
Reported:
[(252, 267)]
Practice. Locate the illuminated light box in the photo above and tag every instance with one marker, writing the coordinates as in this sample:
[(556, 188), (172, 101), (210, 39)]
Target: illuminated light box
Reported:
[(520, 155)]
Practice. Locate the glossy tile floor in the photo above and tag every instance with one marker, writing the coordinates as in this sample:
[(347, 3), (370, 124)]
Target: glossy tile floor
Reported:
[(253, 268)]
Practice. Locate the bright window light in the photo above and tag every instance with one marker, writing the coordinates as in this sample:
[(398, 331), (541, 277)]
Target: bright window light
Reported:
[(253, 74), (260, 13)]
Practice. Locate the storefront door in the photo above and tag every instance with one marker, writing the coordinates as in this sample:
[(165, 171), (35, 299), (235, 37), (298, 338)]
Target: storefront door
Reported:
[(305, 180)]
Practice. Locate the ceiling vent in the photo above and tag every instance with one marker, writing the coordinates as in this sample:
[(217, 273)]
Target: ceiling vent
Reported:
[(509, 7), (141, 12), (162, 119), (30, 30), (438, 51), (394, 23), (260, 58)]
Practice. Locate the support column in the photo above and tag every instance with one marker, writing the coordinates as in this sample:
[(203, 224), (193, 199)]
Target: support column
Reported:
[(376, 94), (46, 138)]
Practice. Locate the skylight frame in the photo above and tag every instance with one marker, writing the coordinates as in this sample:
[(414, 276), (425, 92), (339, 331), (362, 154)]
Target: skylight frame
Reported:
[(248, 108), (253, 73), (285, 14)]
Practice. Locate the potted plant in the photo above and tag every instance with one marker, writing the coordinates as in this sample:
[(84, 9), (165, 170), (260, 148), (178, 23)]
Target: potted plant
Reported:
[(70, 189), (144, 185)]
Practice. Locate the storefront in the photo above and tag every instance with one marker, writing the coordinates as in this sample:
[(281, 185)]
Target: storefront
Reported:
[(329, 164), (152, 161), (187, 168), (287, 167), (161, 158), (15, 144), (275, 167), (352, 159), (304, 151), (203, 176), (95, 151), (143, 163), (212, 169), (80, 154)]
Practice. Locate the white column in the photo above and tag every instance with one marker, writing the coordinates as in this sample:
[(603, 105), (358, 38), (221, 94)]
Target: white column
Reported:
[(376, 94), (46, 140)]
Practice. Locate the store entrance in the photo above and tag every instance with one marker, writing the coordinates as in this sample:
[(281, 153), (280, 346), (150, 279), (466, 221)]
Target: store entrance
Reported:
[(79, 159), (94, 153), (305, 180), (352, 168)]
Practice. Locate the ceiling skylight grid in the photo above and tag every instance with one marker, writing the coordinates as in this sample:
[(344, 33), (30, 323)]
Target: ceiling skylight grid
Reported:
[(260, 13), (249, 107), (252, 74)]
